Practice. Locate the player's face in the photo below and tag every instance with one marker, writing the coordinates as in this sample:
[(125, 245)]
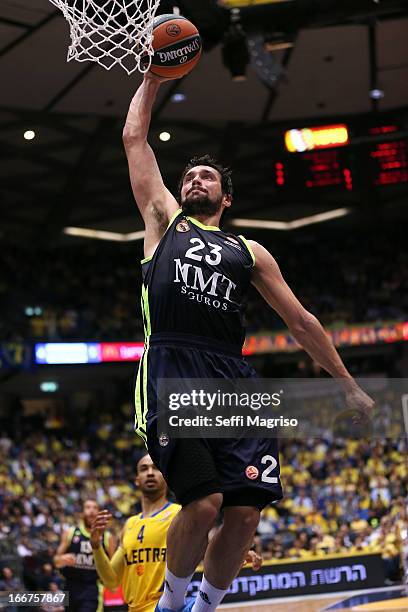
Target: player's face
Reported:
[(91, 509), (149, 479), (201, 193)]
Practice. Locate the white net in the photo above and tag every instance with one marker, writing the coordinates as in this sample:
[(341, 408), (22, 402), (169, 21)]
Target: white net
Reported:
[(111, 32)]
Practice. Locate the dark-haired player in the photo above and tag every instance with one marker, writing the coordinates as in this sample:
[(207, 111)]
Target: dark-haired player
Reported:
[(75, 559), (195, 277)]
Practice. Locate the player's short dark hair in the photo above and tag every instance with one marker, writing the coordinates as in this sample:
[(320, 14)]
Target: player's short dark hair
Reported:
[(207, 160)]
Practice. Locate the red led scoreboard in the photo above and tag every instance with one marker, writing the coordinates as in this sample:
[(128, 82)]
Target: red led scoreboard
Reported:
[(342, 157)]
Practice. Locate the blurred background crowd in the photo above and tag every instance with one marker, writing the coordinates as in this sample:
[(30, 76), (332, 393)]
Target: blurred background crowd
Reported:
[(340, 496)]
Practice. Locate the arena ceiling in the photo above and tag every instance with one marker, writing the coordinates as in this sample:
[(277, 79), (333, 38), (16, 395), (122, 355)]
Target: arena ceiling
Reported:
[(74, 171)]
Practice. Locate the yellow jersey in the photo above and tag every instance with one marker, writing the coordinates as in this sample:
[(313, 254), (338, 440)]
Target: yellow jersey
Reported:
[(144, 550)]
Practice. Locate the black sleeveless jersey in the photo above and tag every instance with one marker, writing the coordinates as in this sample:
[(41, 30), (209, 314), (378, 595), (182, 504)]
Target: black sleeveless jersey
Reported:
[(79, 544), (196, 282)]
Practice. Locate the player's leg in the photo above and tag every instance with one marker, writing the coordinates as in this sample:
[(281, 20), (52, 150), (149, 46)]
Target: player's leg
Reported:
[(188, 468), (193, 477), (187, 541), (187, 537), (227, 549), (249, 475), (225, 554)]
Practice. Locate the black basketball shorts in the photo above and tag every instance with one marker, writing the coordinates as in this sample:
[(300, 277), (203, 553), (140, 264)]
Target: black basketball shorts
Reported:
[(239, 468), (84, 596)]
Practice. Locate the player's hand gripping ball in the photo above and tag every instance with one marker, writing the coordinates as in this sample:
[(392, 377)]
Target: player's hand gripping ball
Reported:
[(177, 47)]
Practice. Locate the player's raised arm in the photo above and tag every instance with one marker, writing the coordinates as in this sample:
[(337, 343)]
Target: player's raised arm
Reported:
[(155, 202), (304, 326), (110, 571)]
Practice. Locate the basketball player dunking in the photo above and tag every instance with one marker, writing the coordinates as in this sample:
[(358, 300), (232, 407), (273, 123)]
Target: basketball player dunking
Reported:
[(75, 559), (195, 277)]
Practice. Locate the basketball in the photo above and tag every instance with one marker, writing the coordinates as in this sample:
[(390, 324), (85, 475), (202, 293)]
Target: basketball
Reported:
[(177, 46)]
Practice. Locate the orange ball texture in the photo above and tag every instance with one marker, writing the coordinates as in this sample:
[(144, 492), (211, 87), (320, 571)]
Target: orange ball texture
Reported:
[(177, 46)]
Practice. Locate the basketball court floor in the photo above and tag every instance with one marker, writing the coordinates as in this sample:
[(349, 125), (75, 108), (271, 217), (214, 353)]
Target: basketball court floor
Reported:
[(393, 599)]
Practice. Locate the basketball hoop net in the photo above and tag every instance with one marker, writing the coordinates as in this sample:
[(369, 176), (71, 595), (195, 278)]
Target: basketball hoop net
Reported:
[(110, 32)]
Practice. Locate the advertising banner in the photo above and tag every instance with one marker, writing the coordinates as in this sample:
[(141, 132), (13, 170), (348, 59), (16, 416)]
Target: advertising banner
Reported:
[(287, 579)]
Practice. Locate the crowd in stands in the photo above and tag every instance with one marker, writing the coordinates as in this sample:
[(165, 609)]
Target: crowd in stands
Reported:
[(340, 495), (89, 293), (342, 279), (92, 291)]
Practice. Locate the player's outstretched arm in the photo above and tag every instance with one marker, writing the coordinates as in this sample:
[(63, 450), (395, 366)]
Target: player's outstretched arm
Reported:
[(111, 545), (154, 200), (304, 326), (110, 571)]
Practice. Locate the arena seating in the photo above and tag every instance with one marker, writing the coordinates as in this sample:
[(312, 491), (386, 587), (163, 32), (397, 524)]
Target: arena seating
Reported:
[(338, 494), (92, 292)]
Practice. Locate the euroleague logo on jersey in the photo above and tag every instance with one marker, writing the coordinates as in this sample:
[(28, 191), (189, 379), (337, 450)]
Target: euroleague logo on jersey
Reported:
[(173, 30), (183, 226), (164, 439), (251, 472)]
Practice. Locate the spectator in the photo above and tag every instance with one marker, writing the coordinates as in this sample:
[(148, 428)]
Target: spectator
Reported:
[(56, 606), (9, 582)]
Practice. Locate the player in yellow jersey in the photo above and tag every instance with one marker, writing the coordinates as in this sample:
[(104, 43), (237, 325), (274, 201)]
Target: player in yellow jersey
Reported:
[(139, 562)]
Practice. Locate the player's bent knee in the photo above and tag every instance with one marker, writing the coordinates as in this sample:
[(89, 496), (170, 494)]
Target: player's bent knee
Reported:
[(206, 509), (245, 519)]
